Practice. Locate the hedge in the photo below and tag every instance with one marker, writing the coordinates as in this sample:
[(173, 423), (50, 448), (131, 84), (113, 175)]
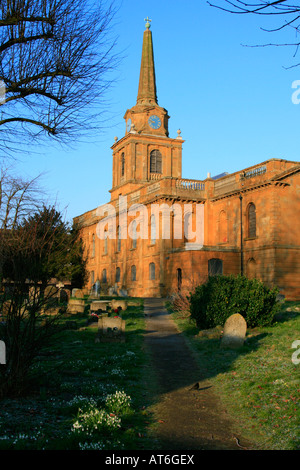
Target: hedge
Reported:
[(221, 296)]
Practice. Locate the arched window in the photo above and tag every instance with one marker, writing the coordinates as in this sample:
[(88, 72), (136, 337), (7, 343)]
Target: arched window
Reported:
[(223, 227), (179, 279), (118, 275), (251, 220), (123, 164), (133, 273), (93, 246), (92, 278), (134, 234), (105, 242), (152, 271), (104, 276), (153, 228), (215, 267), (119, 239), (155, 162)]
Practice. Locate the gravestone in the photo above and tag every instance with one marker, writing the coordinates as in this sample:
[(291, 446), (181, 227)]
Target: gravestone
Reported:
[(234, 333), (78, 294), (111, 330), (97, 305), (76, 306), (115, 304)]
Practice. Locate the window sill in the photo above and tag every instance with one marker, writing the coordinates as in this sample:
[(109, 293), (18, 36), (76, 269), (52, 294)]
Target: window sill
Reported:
[(250, 238)]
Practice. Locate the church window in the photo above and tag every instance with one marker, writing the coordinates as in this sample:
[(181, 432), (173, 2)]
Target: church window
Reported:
[(251, 220), (215, 267), (133, 273), (152, 271), (153, 229), (134, 234), (105, 242), (92, 278), (179, 279), (119, 239), (93, 246), (104, 276), (118, 274), (123, 164), (155, 162)]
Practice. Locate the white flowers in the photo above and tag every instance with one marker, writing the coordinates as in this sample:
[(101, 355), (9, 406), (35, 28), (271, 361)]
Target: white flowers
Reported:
[(94, 421)]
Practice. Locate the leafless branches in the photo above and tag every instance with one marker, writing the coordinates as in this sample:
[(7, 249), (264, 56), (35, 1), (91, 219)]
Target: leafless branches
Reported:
[(55, 59), (288, 13)]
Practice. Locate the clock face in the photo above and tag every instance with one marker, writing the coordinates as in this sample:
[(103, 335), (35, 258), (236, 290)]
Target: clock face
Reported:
[(154, 122), (128, 125)]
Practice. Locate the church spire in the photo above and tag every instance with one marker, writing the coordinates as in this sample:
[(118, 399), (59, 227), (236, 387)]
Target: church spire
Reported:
[(147, 83)]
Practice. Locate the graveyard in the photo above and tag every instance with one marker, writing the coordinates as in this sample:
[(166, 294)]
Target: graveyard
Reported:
[(95, 386)]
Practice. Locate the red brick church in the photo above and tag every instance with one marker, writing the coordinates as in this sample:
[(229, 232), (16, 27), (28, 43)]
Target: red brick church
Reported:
[(161, 233)]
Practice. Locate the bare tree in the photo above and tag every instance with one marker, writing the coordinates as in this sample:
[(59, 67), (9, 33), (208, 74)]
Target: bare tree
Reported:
[(55, 59), (19, 197), (288, 15)]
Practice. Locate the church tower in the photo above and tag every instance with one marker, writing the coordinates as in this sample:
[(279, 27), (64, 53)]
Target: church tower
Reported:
[(146, 152)]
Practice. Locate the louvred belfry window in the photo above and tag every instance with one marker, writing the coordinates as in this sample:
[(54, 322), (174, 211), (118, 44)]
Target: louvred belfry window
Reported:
[(155, 162)]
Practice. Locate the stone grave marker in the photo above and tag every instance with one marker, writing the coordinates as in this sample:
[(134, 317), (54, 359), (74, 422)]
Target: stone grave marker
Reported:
[(76, 306), (234, 333), (97, 305), (111, 330), (115, 303)]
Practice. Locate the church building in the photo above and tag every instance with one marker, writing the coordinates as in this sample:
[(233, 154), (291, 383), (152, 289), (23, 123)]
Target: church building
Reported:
[(161, 233)]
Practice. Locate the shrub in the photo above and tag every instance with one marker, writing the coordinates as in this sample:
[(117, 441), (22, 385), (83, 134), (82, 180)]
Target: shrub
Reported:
[(221, 296)]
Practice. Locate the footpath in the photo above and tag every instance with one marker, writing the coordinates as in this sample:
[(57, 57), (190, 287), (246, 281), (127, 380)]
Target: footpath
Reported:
[(187, 418)]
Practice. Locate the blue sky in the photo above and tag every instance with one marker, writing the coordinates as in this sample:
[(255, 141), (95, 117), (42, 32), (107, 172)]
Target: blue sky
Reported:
[(232, 103)]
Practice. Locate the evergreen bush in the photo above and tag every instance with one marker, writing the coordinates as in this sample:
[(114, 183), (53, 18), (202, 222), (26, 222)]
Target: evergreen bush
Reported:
[(221, 296)]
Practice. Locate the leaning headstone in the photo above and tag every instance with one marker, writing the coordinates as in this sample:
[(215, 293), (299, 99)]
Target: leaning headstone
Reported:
[(111, 330), (234, 333)]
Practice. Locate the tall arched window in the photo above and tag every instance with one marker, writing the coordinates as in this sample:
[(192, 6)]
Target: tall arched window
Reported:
[(155, 162), (223, 227), (105, 242), (152, 271), (179, 279), (119, 239), (153, 229), (118, 275), (251, 220), (93, 246), (123, 164), (134, 234), (133, 273), (104, 276)]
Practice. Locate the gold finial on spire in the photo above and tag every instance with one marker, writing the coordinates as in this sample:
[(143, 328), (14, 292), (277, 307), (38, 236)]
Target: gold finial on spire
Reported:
[(148, 21)]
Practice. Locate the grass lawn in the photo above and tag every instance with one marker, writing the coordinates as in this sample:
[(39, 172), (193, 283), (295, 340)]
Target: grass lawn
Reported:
[(259, 383), (84, 395)]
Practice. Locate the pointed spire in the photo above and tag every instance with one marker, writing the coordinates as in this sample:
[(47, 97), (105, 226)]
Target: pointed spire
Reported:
[(147, 83)]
